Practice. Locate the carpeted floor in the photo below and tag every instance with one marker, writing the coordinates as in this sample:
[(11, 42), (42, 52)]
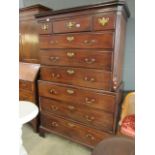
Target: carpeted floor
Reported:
[(50, 145)]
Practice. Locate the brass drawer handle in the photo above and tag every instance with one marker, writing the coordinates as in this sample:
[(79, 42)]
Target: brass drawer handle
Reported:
[(103, 21), (53, 91), (70, 38), (54, 124), (89, 42), (89, 61), (70, 92), (54, 42), (70, 54), (54, 59), (70, 25), (89, 79), (89, 101), (71, 125), (90, 136), (89, 118), (54, 108), (44, 27), (70, 107), (55, 75), (70, 71)]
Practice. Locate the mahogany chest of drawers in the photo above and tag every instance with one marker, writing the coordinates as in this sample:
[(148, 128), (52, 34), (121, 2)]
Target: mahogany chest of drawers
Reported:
[(28, 74), (81, 56)]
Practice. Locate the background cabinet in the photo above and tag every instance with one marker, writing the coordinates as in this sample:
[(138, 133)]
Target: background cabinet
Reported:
[(28, 33)]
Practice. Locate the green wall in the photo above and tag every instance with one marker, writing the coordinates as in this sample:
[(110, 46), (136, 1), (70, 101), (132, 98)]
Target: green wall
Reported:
[(129, 60)]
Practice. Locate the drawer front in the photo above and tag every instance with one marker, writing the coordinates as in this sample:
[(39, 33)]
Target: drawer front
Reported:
[(26, 96), (45, 26), (26, 85), (87, 40), (73, 25), (78, 95), (78, 58), (72, 130), (81, 113), (91, 78), (104, 21)]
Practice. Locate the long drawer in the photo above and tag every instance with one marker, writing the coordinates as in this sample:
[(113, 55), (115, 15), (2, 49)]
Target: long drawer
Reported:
[(94, 118), (71, 130), (77, 95), (91, 78), (98, 59), (84, 40)]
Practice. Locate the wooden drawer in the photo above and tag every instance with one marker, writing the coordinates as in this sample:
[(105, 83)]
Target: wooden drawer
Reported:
[(94, 118), (27, 85), (77, 95), (104, 21), (73, 24), (45, 26), (71, 130), (26, 95), (84, 40), (79, 58), (91, 78)]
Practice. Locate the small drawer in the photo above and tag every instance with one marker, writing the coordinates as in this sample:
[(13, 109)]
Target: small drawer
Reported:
[(98, 59), (104, 21), (26, 95), (26, 85), (76, 95), (76, 132), (90, 78), (45, 26), (94, 118), (76, 24), (85, 40)]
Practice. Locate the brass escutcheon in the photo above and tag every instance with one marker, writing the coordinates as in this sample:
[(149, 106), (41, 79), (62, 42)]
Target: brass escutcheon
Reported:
[(69, 91), (71, 125), (70, 54), (70, 38), (70, 71)]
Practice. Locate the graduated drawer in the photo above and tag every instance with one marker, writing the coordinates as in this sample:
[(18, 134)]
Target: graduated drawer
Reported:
[(79, 58), (94, 118), (83, 40), (72, 130), (26, 95), (104, 21), (91, 78), (75, 24), (27, 85), (76, 95)]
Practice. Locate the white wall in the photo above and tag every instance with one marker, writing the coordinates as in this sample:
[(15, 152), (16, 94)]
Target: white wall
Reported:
[(129, 60)]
